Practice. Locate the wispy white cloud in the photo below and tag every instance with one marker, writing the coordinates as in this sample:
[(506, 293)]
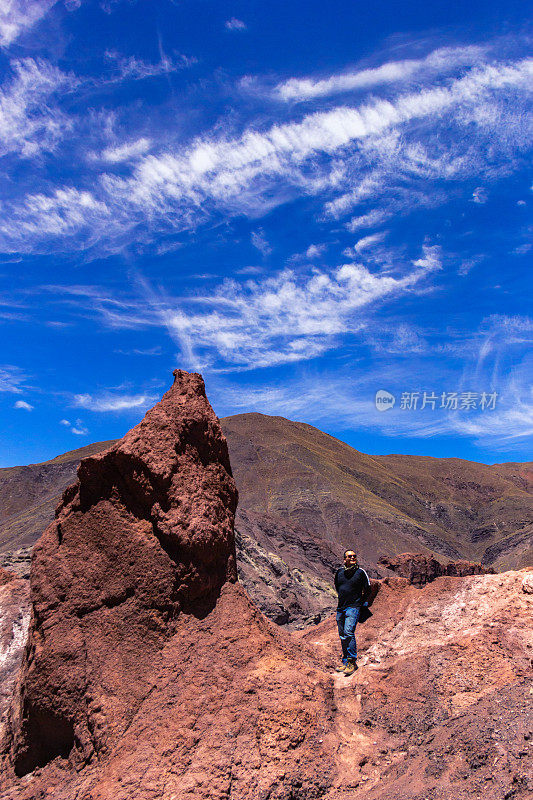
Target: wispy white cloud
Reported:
[(444, 60), (146, 351), (395, 171), (79, 431), (249, 270), (12, 379), (235, 24), (66, 212), (260, 242), (510, 424), (498, 332), (18, 16), (468, 264), (33, 120), (370, 220), (404, 339), (126, 151), (133, 68), (30, 120), (116, 313), (110, 401), (431, 258), (78, 428), (315, 251), (325, 152), (363, 244), (286, 318), (23, 405)]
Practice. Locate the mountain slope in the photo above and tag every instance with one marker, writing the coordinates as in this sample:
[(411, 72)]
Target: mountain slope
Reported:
[(381, 505), (29, 495)]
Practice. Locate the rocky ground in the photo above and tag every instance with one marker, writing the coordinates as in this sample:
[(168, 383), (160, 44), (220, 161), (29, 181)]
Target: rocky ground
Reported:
[(440, 707), (442, 703)]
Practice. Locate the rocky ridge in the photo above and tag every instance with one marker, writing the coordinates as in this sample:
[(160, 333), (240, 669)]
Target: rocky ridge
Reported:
[(305, 496)]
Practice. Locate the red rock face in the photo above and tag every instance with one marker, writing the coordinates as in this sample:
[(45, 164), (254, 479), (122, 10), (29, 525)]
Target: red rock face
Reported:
[(419, 569), (144, 534), (6, 576)]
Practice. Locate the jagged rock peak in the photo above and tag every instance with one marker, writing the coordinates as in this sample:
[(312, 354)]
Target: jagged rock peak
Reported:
[(144, 535)]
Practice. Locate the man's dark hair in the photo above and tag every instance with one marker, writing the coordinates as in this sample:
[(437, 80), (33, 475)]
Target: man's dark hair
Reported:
[(349, 550)]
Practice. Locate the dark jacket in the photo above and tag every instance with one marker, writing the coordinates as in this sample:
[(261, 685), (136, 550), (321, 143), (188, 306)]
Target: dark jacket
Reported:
[(353, 587)]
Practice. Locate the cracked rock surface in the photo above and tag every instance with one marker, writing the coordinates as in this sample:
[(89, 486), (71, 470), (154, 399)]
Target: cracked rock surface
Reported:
[(441, 707)]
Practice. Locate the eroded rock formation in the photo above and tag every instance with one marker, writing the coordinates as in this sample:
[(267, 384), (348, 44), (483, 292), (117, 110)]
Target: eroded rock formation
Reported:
[(147, 671), (145, 533)]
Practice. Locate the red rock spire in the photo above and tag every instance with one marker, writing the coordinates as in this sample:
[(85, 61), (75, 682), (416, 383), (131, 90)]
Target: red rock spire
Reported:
[(145, 534)]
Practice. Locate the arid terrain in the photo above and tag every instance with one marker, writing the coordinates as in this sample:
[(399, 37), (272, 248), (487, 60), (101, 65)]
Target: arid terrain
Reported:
[(148, 672)]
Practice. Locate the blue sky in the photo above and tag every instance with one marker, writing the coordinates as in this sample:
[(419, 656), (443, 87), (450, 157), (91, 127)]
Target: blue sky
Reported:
[(307, 204)]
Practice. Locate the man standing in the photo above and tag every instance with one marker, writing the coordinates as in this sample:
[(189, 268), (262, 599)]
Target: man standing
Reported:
[(353, 587)]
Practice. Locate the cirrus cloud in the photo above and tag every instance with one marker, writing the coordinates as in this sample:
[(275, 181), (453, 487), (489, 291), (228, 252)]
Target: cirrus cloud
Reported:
[(111, 401), (324, 153), (443, 60), (17, 16)]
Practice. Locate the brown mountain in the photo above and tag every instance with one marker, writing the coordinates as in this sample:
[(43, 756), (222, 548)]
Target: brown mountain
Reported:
[(304, 496), (382, 505), (29, 495)]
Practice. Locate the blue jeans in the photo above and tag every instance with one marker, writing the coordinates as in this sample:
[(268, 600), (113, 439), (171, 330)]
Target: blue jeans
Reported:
[(346, 622)]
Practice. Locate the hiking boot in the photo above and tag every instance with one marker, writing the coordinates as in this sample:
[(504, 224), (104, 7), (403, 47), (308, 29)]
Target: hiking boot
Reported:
[(341, 667), (350, 668)]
